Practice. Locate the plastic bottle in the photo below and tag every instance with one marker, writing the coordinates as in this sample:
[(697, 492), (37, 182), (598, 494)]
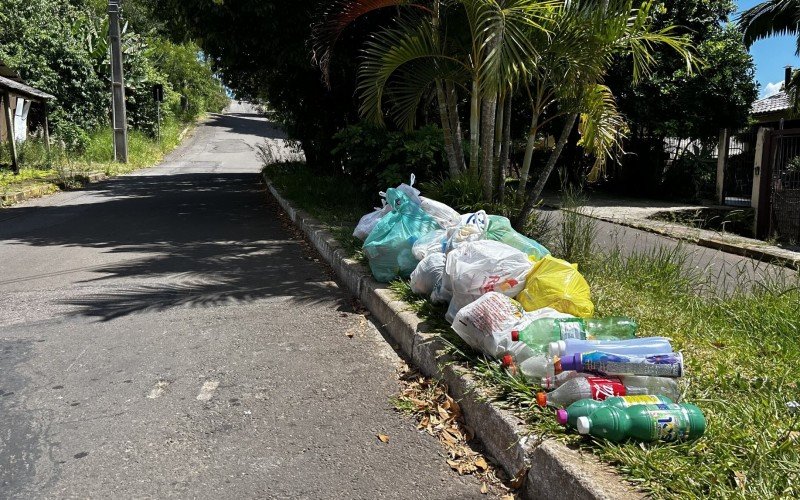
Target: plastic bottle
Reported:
[(540, 332), (659, 422), (638, 346), (582, 388), (634, 384), (604, 363), (521, 359), (586, 407)]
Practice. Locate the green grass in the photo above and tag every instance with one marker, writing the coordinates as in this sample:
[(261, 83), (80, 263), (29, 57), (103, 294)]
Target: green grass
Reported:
[(741, 347), (58, 171)]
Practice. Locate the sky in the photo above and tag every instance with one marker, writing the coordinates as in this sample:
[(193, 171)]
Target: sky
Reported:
[(770, 56)]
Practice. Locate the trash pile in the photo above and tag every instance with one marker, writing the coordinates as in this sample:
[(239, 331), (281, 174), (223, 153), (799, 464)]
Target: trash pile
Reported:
[(510, 299)]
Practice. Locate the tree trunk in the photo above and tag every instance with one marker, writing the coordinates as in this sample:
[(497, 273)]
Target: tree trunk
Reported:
[(498, 141), (526, 161), (455, 123), (447, 131), (474, 124), (536, 191), (505, 150), (488, 116)]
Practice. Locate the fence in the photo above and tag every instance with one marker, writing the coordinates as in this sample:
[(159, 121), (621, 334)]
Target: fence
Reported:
[(784, 158)]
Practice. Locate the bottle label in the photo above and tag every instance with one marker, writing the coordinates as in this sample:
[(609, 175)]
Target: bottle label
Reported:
[(603, 388), (669, 422), (644, 399), (572, 328), (657, 365)]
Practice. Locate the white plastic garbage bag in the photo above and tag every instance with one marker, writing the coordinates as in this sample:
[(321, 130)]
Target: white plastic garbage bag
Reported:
[(432, 242), (479, 267), (428, 274), (410, 190), (471, 227), (486, 319), (441, 213), (367, 223)]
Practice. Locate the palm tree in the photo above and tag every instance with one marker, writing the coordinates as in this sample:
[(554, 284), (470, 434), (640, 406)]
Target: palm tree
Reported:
[(771, 18)]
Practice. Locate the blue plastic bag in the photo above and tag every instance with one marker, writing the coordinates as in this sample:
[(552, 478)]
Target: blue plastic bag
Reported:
[(388, 246)]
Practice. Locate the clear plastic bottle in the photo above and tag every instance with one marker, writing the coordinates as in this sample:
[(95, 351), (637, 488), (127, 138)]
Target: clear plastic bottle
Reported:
[(659, 422), (604, 363), (521, 359), (598, 388), (638, 346), (586, 407), (541, 332), (634, 384)]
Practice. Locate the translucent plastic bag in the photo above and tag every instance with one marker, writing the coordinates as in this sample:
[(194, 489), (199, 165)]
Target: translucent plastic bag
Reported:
[(479, 267), (432, 242), (428, 274), (367, 223), (500, 230), (410, 191), (488, 317), (441, 213), (556, 283), (388, 246), (471, 227)]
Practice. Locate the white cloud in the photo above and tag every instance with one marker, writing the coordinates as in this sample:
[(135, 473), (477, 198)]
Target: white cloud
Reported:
[(771, 89)]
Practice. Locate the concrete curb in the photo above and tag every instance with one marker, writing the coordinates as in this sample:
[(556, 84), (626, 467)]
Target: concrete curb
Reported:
[(784, 258), (549, 468), (46, 189)]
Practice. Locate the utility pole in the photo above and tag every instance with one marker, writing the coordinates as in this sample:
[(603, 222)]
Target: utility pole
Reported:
[(119, 118)]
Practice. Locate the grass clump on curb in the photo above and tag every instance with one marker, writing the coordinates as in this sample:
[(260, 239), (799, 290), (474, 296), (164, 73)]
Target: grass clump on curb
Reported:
[(741, 348)]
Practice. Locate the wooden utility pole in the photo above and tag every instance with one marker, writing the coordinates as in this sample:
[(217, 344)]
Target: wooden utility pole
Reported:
[(119, 117), (10, 130)]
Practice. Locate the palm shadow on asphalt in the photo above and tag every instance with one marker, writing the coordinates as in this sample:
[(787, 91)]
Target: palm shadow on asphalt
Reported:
[(196, 240)]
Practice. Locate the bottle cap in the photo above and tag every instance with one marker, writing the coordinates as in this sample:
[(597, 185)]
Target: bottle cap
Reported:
[(571, 362), (583, 425), (557, 348), (515, 335), (507, 360), (541, 399), (562, 416)]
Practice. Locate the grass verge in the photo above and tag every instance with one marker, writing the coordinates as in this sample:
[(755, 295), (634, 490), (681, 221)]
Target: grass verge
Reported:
[(61, 170), (741, 347)]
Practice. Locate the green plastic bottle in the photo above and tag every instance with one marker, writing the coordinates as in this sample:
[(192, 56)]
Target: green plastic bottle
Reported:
[(659, 422), (586, 407), (540, 332)]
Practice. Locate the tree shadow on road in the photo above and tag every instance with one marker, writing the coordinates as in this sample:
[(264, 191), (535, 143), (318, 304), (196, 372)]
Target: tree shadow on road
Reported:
[(189, 240)]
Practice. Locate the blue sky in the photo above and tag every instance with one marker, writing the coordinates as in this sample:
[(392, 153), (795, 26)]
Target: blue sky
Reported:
[(770, 56)]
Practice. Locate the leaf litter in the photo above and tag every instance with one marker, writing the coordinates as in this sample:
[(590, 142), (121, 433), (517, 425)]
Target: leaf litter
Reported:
[(440, 416)]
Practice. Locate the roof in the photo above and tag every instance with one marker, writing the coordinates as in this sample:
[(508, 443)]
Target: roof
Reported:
[(23, 90), (771, 104), (9, 73)]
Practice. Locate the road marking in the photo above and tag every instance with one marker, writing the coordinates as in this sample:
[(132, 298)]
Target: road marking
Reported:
[(158, 390), (207, 391)]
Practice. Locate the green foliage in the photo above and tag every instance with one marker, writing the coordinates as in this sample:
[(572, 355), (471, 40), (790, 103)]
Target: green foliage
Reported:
[(381, 158)]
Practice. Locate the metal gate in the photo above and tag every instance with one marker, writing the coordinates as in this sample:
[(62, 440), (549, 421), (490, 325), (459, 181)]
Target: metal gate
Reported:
[(738, 180), (784, 187)]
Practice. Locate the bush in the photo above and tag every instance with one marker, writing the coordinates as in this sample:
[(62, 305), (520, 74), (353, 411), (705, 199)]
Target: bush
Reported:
[(383, 158)]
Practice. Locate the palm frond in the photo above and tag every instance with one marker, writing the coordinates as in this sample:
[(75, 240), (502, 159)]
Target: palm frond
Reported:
[(601, 126), (770, 18)]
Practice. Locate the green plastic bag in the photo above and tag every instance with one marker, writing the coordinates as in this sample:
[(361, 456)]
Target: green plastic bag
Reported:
[(388, 246), (500, 230)]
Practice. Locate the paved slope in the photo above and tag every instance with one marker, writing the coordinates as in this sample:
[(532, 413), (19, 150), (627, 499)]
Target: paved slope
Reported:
[(162, 334)]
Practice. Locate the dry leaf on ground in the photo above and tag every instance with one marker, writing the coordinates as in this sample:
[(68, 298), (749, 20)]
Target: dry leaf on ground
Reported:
[(383, 438)]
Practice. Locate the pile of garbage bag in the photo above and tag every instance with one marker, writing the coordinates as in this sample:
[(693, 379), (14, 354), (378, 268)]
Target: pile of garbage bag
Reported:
[(510, 299)]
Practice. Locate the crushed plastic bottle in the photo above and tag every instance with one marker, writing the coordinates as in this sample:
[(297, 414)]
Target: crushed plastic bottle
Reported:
[(658, 422), (522, 360)]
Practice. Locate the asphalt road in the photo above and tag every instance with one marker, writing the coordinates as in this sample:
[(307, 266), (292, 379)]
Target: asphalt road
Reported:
[(162, 334)]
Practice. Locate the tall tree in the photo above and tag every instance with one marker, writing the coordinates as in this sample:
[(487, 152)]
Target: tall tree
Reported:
[(771, 18)]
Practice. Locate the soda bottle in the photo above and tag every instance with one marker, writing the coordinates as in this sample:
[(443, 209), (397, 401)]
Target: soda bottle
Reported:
[(585, 407), (604, 363), (582, 388), (634, 384), (540, 332), (658, 422), (638, 346)]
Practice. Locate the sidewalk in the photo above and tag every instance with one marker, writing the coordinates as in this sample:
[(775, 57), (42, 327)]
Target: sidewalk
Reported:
[(638, 213)]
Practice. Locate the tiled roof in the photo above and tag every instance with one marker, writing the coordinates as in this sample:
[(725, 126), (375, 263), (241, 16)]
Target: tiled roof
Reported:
[(24, 90), (771, 104)]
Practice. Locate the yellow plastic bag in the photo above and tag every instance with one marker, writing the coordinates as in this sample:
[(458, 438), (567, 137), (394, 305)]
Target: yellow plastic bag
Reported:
[(556, 283)]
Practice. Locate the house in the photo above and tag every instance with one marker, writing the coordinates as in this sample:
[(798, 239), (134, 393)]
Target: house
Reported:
[(769, 111), (16, 98)]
